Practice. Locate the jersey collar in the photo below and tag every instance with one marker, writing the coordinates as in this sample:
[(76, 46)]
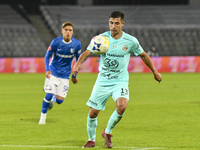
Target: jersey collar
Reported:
[(67, 42)]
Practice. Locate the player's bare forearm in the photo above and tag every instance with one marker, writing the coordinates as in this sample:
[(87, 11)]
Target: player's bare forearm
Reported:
[(147, 60), (84, 56), (81, 60)]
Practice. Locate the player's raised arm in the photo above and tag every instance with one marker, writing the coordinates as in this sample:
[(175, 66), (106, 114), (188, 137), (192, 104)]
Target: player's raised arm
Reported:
[(147, 60), (81, 60)]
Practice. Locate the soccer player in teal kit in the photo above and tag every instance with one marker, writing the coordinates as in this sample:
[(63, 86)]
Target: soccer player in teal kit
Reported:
[(113, 77)]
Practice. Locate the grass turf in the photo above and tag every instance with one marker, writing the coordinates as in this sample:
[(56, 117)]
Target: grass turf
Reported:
[(164, 115)]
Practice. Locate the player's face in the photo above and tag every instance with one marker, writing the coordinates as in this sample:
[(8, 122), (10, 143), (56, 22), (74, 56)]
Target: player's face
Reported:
[(115, 25), (67, 33)]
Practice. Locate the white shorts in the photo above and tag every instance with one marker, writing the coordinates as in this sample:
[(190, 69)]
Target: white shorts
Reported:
[(56, 86)]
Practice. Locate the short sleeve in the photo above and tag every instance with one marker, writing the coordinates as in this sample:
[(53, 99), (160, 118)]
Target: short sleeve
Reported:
[(137, 48)]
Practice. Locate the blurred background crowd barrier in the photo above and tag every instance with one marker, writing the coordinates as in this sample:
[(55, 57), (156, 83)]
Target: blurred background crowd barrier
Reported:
[(162, 64), (27, 28)]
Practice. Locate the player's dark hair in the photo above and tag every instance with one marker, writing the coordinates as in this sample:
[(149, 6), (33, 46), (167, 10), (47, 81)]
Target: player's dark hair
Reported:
[(117, 14), (67, 24)]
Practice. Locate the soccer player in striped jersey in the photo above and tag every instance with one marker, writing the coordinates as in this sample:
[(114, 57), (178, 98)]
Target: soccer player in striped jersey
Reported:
[(58, 63), (113, 77)]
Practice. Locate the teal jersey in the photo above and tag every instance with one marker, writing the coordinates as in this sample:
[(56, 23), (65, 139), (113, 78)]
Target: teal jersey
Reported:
[(113, 65)]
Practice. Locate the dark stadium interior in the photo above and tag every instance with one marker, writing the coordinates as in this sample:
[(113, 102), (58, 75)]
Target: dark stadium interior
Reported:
[(27, 27)]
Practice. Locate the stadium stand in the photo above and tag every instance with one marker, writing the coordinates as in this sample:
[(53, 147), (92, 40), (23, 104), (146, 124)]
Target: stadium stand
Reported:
[(18, 37), (174, 30)]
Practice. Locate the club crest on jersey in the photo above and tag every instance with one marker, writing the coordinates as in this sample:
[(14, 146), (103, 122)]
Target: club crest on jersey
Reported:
[(124, 47), (72, 50)]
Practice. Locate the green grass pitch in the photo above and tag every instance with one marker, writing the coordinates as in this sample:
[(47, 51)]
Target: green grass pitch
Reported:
[(158, 116)]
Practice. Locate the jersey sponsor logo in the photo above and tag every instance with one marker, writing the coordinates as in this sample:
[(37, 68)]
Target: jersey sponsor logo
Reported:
[(105, 69), (59, 49), (124, 47), (65, 56), (114, 46), (115, 70), (108, 76), (79, 51), (114, 55), (111, 63), (49, 48), (72, 50)]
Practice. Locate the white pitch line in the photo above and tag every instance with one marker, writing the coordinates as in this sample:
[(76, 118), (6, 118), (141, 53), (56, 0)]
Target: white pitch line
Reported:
[(75, 147)]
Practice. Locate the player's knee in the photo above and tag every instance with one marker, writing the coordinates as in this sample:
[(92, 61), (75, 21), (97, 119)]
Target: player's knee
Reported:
[(93, 113), (57, 100), (121, 105), (121, 109), (48, 96)]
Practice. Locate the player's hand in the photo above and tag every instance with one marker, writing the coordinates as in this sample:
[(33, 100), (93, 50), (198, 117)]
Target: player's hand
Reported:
[(74, 80), (76, 68), (48, 74), (158, 77)]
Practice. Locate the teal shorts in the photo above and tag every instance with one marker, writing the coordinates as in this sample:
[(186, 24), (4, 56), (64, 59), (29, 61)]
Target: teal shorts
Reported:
[(101, 93)]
